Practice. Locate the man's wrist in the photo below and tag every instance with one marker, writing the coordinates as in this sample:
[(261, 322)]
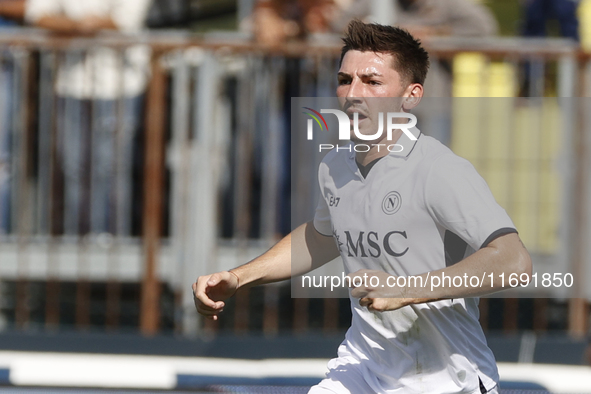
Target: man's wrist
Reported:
[(412, 296), (237, 278)]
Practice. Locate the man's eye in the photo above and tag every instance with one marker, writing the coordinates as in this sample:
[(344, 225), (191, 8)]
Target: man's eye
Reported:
[(344, 82), (374, 83)]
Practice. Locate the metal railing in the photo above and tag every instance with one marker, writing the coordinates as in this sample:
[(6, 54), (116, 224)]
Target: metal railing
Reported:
[(178, 178)]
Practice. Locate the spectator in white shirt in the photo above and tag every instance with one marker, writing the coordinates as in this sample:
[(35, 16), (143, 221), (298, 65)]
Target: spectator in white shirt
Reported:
[(91, 85)]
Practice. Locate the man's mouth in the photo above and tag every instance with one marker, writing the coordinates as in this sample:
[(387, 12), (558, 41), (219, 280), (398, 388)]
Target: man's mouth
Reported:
[(360, 115)]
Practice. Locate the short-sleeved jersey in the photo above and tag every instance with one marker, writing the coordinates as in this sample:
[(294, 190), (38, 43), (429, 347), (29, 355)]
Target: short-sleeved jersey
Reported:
[(417, 211)]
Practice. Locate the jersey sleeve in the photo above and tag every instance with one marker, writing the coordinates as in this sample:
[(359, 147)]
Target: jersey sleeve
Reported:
[(459, 199), (322, 222)]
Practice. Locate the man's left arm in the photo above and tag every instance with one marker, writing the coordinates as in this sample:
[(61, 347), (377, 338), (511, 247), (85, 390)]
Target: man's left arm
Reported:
[(459, 200), (504, 257)]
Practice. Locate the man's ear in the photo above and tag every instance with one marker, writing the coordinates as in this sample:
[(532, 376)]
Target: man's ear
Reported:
[(412, 97)]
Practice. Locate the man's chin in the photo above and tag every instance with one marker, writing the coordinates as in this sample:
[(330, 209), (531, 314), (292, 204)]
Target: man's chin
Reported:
[(356, 140)]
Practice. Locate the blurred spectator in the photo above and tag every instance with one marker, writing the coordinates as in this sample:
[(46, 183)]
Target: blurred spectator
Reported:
[(275, 21), (539, 12), (426, 18), (100, 96), (11, 11)]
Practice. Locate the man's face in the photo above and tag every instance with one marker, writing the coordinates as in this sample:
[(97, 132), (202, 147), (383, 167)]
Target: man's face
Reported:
[(368, 85)]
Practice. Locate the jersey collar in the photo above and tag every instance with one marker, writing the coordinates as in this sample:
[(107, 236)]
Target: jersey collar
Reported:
[(406, 143), (407, 147)]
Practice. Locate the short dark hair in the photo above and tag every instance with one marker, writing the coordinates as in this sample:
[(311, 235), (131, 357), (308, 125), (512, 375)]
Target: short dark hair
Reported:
[(411, 60)]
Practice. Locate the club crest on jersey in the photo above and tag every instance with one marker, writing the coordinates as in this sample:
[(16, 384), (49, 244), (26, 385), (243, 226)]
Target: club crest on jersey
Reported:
[(391, 203)]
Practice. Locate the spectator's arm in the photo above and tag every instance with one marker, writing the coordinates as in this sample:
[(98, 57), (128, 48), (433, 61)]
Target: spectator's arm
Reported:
[(57, 23), (49, 15), (13, 9), (96, 23), (63, 25)]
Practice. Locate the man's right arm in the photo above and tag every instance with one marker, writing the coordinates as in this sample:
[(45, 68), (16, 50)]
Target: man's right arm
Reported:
[(303, 250)]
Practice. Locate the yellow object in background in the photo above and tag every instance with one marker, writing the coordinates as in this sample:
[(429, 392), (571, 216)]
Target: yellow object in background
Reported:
[(468, 75), (475, 76), (513, 143), (584, 14)]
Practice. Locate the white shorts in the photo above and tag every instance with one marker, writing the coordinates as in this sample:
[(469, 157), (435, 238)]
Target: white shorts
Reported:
[(353, 385), (345, 377)]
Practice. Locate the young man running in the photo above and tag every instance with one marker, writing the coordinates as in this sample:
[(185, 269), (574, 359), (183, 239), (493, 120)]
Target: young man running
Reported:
[(418, 211)]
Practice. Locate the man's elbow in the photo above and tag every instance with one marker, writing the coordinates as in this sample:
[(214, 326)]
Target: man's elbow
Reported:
[(516, 261), (523, 266)]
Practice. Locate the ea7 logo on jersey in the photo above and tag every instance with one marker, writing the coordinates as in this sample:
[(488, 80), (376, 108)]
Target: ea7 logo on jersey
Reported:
[(332, 200), (391, 203)]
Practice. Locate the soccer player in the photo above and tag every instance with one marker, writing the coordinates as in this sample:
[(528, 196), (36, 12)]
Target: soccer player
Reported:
[(421, 211)]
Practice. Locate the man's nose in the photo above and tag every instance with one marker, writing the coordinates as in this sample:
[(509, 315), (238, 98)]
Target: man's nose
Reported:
[(355, 89)]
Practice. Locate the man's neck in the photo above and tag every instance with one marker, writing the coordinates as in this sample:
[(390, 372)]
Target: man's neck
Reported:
[(378, 149)]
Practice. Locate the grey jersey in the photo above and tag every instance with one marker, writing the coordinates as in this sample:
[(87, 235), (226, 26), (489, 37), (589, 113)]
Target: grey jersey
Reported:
[(417, 211)]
